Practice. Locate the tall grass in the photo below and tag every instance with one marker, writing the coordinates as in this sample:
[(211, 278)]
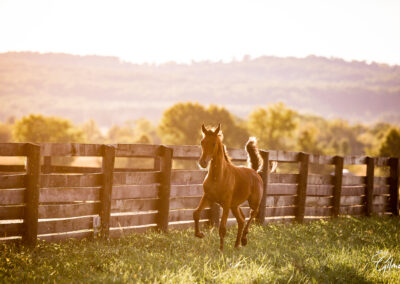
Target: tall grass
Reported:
[(339, 251)]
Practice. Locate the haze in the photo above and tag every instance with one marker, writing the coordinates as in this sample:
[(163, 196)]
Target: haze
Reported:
[(183, 31)]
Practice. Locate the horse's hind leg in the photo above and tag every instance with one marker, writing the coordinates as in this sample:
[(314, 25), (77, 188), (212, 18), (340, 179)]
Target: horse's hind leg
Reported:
[(253, 214), (196, 216), (240, 219)]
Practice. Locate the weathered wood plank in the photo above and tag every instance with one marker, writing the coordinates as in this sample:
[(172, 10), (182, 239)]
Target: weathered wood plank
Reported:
[(69, 194), (313, 201), (71, 149), (353, 180), (12, 196), (318, 211), (12, 149), (131, 178), (135, 191), (283, 178), (136, 150), (13, 181), (187, 190), (319, 190), (68, 210), (354, 160), (67, 236), (133, 205), (381, 161), (322, 160), (29, 236), (12, 168), (284, 156), (185, 152), (381, 189), (282, 189), (280, 211), (181, 177), (12, 212), (352, 210), (133, 219), (382, 180), (65, 225), (353, 190), (185, 202), (187, 215), (352, 200), (320, 179), (11, 229), (380, 208), (380, 200), (71, 169), (283, 200), (77, 180), (237, 154)]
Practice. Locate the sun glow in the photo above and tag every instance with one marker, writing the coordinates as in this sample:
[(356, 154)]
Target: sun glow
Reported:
[(182, 31)]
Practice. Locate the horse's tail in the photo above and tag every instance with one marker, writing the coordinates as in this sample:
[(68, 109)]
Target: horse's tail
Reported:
[(255, 160)]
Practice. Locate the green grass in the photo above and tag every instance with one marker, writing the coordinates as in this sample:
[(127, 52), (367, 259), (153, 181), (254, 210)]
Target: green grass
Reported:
[(336, 251)]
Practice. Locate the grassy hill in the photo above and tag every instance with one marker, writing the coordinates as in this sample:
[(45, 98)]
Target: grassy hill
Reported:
[(112, 91)]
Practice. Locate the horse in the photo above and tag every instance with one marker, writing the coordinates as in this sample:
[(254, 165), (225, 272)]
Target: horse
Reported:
[(229, 185)]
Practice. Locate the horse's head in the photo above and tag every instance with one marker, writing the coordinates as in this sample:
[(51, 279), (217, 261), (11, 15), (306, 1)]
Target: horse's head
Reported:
[(209, 145)]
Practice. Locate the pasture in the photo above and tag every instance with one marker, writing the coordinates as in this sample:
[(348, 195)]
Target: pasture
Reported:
[(340, 250)]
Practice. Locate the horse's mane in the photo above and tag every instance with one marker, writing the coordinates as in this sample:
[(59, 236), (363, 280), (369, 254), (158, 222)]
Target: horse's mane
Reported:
[(226, 155)]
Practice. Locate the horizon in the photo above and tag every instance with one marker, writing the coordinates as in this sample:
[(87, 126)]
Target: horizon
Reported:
[(155, 32)]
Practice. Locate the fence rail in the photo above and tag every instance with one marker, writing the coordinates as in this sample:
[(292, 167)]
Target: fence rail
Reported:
[(53, 202)]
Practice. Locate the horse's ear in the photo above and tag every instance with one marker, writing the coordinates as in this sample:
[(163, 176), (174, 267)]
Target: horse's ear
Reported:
[(218, 129), (203, 129)]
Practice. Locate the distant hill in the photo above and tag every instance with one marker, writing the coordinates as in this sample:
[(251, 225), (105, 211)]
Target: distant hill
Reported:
[(112, 91)]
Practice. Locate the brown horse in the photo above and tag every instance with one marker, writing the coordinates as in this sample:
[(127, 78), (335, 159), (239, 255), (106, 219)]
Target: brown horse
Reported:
[(229, 185)]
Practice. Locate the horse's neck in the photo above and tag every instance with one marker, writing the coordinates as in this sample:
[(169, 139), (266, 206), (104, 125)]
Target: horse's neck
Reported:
[(218, 163)]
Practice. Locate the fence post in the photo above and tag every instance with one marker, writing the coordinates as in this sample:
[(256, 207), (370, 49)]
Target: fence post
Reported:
[(369, 185), (302, 187), (394, 185), (264, 176), (106, 192), (46, 164), (29, 237), (165, 187), (337, 187)]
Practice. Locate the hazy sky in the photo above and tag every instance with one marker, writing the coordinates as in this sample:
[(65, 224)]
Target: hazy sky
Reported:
[(169, 30)]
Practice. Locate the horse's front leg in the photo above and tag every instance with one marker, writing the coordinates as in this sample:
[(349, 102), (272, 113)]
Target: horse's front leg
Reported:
[(222, 226), (204, 202)]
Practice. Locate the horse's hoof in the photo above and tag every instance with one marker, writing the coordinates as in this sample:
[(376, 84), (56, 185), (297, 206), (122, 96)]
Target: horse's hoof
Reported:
[(244, 241), (199, 235), (237, 247)]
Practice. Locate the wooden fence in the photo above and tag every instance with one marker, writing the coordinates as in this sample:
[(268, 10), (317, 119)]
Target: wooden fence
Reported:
[(45, 201)]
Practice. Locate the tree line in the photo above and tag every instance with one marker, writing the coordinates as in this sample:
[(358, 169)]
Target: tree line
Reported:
[(276, 126)]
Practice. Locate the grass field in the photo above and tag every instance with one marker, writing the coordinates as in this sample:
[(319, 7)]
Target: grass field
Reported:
[(346, 250)]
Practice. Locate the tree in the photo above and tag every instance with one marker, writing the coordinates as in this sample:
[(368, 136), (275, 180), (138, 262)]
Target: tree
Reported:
[(181, 123), (273, 126), (92, 132), (390, 146), (5, 133), (307, 141), (41, 129)]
